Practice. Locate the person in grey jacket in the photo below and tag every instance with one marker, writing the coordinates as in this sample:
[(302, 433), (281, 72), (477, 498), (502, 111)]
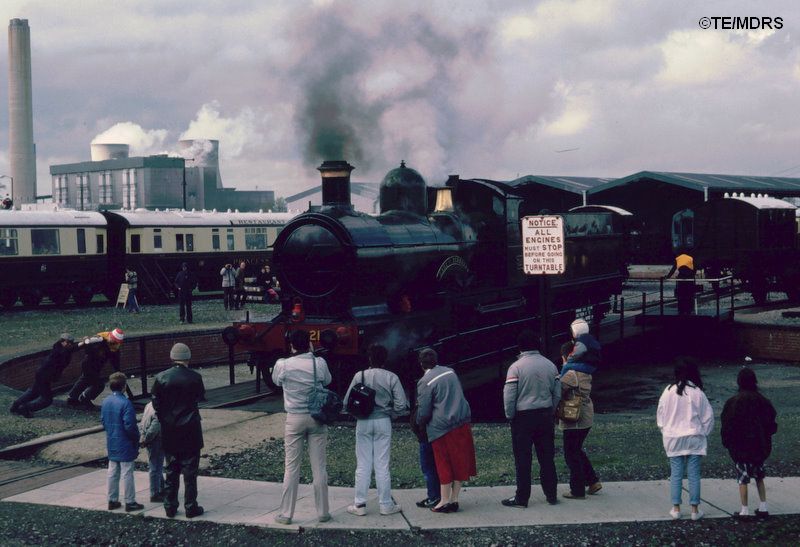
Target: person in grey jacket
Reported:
[(445, 413), (530, 396), (296, 376), (374, 433)]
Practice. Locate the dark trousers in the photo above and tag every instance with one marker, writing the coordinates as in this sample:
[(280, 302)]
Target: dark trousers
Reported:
[(186, 464), (428, 465), (87, 386), (185, 306), (229, 298), (36, 397), (240, 297), (534, 427), (581, 472)]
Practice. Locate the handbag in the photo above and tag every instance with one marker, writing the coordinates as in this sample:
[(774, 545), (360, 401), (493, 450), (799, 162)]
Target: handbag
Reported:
[(569, 410), (324, 405), (361, 401)]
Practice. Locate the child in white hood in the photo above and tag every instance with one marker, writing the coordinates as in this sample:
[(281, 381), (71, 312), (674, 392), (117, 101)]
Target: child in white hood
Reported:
[(685, 418), (150, 437)]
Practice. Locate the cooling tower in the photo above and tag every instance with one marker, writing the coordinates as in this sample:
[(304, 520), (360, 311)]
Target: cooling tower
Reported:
[(201, 153), (102, 152), (22, 153)]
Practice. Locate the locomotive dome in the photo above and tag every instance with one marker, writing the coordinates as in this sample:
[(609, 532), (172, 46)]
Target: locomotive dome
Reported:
[(404, 189)]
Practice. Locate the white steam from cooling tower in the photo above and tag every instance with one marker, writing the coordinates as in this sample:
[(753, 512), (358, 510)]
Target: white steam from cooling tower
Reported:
[(22, 151)]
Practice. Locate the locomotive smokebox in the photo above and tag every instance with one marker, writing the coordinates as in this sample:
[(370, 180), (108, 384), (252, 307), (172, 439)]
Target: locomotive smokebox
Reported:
[(336, 183)]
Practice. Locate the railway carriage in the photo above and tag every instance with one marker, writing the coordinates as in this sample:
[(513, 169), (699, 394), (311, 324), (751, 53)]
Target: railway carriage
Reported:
[(156, 243), (51, 253)]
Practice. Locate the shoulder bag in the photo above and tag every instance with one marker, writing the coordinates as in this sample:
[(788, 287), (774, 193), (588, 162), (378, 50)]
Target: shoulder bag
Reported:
[(324, 405), (361, 401), (569, 410)]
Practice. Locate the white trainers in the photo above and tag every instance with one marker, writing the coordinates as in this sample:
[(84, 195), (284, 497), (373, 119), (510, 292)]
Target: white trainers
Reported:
[(391, 510), (674, 514), (358, 510), (698, 515)]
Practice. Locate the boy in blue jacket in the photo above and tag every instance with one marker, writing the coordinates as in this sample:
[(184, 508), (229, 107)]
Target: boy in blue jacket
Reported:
[(122, 441)]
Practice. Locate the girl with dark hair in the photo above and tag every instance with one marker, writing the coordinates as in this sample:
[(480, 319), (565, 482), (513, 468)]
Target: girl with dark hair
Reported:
[(748, 424), (685, 419)]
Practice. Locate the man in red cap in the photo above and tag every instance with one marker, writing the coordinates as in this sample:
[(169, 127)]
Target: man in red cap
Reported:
[(100, 348)]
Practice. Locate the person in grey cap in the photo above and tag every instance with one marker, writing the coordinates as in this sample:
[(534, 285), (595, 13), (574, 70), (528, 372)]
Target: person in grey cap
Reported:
[(40, 395), (176, 392)]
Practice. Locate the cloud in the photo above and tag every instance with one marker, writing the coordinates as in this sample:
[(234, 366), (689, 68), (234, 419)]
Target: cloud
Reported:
[(575, 115), (235, 134), (700, 57), (142, 141)]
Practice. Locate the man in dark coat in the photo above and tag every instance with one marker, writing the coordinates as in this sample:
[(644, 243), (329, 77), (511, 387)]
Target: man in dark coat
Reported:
[(748, 424), (40, 395), (185, 283), (176, 392)]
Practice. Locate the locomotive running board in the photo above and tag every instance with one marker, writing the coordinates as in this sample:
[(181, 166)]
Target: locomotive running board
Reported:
[(500, 306)]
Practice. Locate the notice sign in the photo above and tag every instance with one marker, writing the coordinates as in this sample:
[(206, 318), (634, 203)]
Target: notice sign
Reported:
[(543, 245)]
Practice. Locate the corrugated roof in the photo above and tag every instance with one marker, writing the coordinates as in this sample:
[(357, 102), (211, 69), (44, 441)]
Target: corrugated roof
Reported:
[(701, 181), (576, 185)]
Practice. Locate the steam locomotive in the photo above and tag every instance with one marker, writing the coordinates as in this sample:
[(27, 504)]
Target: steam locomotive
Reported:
[(438, 265)]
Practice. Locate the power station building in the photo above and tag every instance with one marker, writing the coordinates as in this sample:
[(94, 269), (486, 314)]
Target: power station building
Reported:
[(113, 180)]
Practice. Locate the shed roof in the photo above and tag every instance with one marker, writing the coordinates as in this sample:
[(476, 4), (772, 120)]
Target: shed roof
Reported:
[(703, 181), (576, 185)]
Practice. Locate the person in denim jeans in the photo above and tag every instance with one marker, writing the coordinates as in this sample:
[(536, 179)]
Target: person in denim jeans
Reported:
[(685, 418), (426, 463), (122, 442)]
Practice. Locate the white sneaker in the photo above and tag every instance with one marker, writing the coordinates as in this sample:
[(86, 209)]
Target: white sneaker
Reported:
[(358, 510), (674, 514), (698, 515), (391, 510)]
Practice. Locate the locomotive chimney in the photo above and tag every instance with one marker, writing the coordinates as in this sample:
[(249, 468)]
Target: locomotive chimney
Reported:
[(336, 183)]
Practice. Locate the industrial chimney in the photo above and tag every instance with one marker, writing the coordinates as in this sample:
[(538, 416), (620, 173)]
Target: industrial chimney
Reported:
[(336, 183), (20, 113)]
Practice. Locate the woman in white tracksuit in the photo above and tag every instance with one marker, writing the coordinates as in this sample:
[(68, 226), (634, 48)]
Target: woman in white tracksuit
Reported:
[(685, 418), (374, 433)]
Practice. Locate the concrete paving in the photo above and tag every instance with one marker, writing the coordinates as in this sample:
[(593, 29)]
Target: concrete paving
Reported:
[(235, 501)]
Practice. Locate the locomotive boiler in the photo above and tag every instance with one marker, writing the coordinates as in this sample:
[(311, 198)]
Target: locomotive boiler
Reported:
[(438, 265)]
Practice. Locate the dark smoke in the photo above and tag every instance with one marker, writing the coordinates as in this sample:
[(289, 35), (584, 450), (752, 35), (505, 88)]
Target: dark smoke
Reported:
[(334, 115)]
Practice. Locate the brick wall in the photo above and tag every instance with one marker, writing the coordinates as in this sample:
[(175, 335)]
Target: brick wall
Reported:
[(207, 347), (780, 343)]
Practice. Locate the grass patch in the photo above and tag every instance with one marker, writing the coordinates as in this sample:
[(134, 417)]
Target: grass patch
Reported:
[(621, 448)]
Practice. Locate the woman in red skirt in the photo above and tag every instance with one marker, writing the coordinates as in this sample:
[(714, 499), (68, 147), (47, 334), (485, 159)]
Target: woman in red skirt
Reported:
[(445, 413)]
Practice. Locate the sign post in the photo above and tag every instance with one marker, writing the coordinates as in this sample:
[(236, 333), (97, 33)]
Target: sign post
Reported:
[(122, 297), (543, 255)]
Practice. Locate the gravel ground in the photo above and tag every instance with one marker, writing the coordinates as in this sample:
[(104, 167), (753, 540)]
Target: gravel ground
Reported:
[(24, 524)]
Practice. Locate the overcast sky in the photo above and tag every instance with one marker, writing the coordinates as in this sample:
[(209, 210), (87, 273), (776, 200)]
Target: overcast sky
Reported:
[(489, 89)]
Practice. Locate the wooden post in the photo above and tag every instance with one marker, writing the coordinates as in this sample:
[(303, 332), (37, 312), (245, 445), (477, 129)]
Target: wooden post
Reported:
[(143, 364), (544, 315), (231, 375), (621, 317)]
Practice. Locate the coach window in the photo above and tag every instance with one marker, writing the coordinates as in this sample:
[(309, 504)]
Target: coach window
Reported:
[(100, 244), (215, 239), (8, 242), (255, 238), (45, 242), (179, 242), (157, 238), (190, 242), (81, 241), (230, 239), (136, 243)]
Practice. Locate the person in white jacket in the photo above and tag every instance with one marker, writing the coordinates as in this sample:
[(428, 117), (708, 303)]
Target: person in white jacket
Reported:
[(150, 437), (685, 418)]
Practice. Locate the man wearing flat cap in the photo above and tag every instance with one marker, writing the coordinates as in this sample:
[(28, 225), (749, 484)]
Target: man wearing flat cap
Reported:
[(40, 395), (176, 392)]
